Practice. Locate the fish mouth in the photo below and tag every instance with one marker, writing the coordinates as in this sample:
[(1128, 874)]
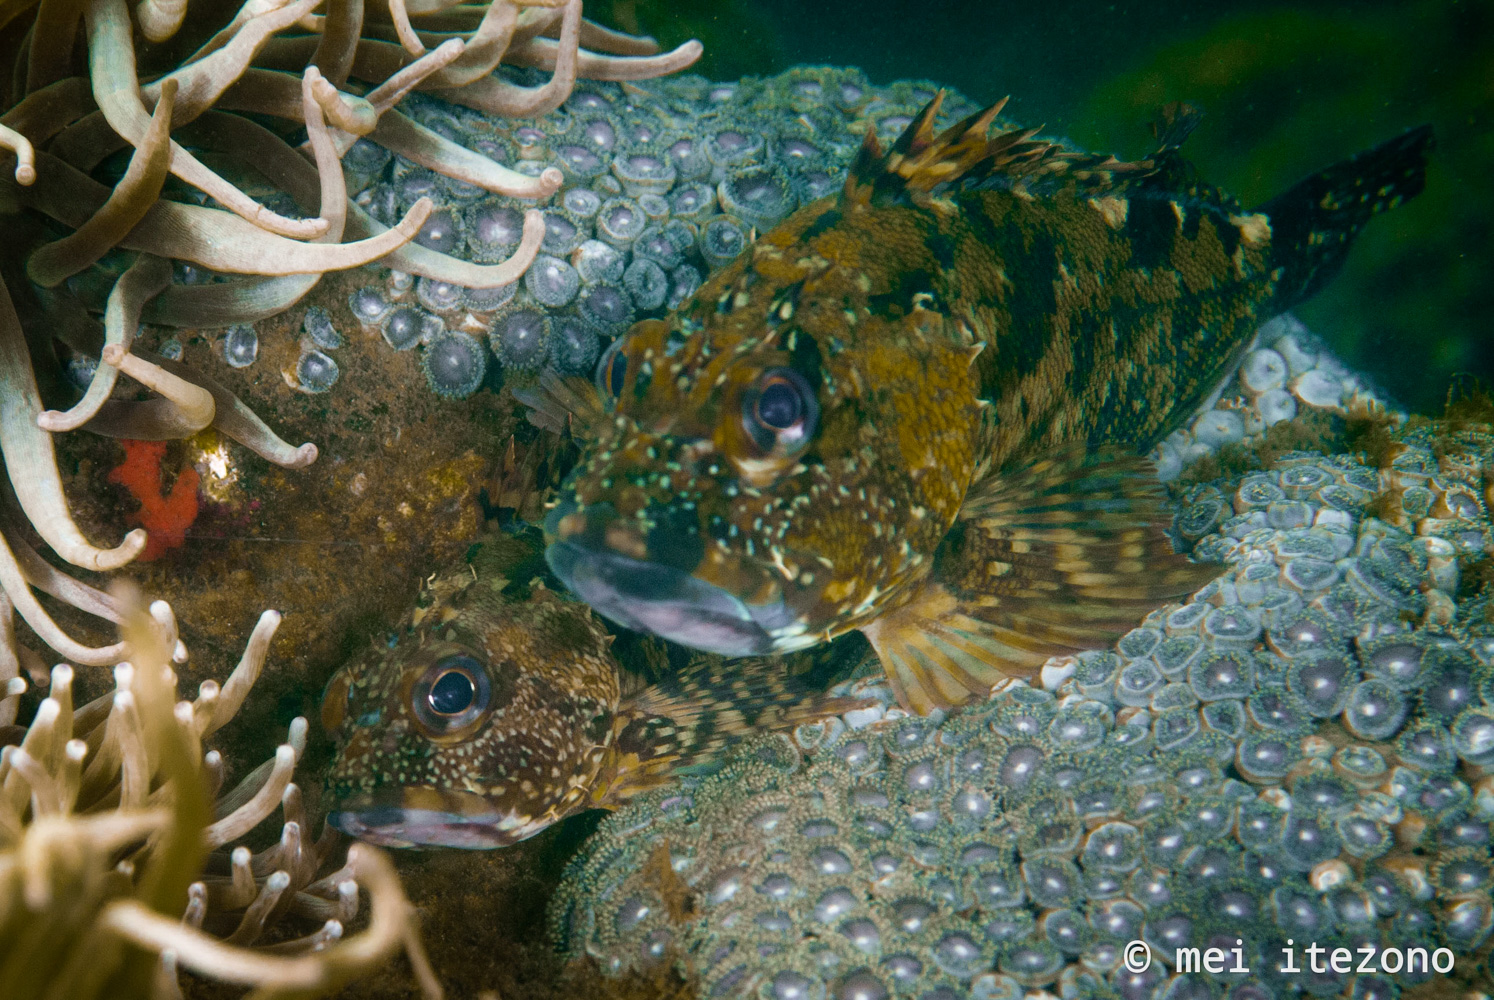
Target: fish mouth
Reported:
[(650, 582), (438, 819), (661, 600)]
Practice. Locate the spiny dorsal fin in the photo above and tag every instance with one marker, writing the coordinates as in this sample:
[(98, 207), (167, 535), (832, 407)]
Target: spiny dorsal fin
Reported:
[(964, 154), (1175, 122), (689, 719)]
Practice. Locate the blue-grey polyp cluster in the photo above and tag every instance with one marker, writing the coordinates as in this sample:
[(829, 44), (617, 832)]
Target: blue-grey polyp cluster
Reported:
[(666, 181), (1304, 751)]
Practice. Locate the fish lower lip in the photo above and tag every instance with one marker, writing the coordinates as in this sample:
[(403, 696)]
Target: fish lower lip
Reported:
[(660, 600), (383, 819)]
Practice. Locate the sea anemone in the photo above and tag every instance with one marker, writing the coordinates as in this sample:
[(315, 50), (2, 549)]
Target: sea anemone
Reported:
[(98, 77), (107, 824)]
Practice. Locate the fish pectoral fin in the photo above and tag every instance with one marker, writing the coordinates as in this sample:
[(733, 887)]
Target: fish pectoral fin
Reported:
[(1065, 554), (938, 656), (563, 402), (1076, 543), (686, 721)]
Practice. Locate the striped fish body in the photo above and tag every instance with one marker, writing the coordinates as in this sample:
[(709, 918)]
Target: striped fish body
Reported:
[(916, 409)]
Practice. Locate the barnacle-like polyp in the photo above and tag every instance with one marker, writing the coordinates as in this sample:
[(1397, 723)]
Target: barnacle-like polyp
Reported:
[(521, 339), (454, 364), (316, 372)]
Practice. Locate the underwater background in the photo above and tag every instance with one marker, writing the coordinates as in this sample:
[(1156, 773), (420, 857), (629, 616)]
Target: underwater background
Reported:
[(407, 478), (1284, 88)]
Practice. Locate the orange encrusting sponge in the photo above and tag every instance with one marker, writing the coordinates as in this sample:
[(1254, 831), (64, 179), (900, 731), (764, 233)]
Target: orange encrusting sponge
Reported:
[(165, 518)]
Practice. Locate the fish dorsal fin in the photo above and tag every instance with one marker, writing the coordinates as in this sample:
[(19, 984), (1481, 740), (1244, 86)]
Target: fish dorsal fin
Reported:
[(1175, 122), (689, 719), (563, 403), (1063, 555), (920, 162)]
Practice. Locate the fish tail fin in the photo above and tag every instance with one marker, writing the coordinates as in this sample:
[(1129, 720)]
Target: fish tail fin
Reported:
[(687, 720), (1313, 223)]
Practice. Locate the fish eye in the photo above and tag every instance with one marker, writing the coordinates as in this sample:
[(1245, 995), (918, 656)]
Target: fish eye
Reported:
[(612, 369), (780, 411), (453, 693)]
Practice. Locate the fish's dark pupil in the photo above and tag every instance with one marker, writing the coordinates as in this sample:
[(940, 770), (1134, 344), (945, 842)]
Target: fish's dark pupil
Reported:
[(452, 693), (616, 372), (779, 406)]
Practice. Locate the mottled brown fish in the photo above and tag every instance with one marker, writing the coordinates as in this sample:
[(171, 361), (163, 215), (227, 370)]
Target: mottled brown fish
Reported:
[(505, 706), (917, 408)]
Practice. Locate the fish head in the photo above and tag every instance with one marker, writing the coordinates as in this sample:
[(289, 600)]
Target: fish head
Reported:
[(766, 476), (487, 722)]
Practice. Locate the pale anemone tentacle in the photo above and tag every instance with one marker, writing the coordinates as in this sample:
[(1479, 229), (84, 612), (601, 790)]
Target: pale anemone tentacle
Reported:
[(389, 93), (485, 47), (235, 420), (419, 144), (25, 154), (215, 239), (49, 580), (160, 19), (340, 30), (182, 410), (31, 462), (543, 53), (428, 263), (496, 96), (41, 114), (201, 84), (203, 81), (617, 43), (278, 93), (131, 198), (250, 9), (13, 580), (147, 276), (244, 300), (389, 929), (401, 19), (115, 88), (231, 696), (12, 686), (51, 44)]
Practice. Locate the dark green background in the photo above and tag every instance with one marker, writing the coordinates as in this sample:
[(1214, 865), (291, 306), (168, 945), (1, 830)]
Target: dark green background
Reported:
[(1287, 89)]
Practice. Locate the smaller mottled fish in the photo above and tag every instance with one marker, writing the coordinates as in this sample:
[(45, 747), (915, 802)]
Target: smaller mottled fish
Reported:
[(505, 706)]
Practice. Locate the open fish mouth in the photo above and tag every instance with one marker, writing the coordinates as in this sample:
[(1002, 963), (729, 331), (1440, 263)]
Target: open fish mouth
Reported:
[(663, 601), (648, 582), (466, 821)]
